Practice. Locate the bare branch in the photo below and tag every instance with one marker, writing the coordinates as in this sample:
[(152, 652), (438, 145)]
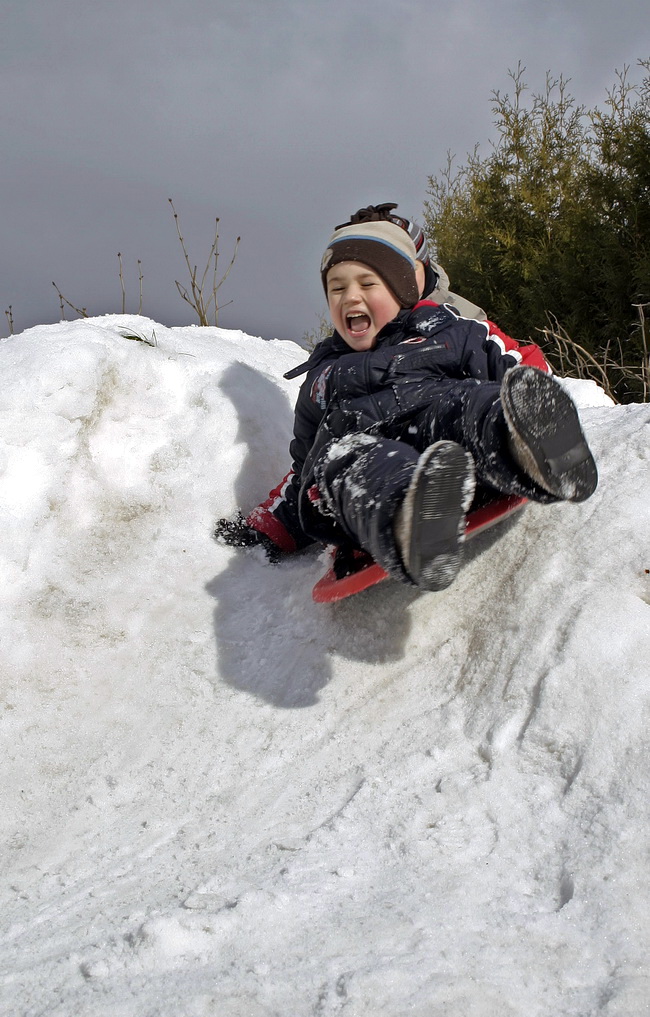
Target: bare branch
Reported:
[(63, 300), (201, 301)]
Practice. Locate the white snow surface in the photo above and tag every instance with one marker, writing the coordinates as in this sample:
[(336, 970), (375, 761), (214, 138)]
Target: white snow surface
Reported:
[(219, 798)]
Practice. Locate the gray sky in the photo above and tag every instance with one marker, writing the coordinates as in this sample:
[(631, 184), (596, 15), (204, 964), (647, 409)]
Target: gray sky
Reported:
[(279, 116)]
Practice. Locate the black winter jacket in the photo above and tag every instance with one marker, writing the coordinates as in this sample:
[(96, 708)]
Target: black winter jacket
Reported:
[(379, 390)]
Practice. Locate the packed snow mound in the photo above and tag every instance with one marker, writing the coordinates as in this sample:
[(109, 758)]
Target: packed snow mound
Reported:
[(219, 798)]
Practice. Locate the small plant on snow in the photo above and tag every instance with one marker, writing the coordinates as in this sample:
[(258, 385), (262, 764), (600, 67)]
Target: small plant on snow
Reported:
[(138, 338)]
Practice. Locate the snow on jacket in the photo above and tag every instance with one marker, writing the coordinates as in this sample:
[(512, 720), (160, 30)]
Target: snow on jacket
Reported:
[(383, 386)]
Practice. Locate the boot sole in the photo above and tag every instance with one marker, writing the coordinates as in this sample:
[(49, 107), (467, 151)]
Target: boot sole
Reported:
[(548, 441), (437, 499)]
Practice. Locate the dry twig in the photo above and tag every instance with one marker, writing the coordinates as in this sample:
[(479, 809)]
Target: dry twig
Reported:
[(204, 303), (63, 301), (573, 361)]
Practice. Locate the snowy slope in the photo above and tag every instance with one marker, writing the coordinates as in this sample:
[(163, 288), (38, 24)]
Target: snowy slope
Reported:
[(221, 799)]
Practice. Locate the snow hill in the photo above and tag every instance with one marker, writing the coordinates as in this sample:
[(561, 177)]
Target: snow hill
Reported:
[(222, 800)]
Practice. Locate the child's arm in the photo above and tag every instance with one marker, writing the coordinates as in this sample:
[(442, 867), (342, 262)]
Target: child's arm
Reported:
[(530, 354), (277, 516), (235, 531), (486, 351), (275, 523)]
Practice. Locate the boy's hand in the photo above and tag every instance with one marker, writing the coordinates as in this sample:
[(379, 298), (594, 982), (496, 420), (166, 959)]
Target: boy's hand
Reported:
[(236, 532)]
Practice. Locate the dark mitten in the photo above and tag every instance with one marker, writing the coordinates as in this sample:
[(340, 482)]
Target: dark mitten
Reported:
[(236, 532)]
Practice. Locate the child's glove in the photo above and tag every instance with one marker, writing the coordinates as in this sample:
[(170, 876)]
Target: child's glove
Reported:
[(236, 532)]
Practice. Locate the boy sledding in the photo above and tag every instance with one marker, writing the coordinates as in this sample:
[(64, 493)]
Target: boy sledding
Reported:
[(405, 411)]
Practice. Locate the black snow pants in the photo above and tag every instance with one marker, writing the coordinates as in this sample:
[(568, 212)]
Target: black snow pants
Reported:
[(354, 482)]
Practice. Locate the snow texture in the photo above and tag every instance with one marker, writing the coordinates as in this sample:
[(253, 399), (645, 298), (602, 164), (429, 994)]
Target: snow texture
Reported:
[(219, 798)]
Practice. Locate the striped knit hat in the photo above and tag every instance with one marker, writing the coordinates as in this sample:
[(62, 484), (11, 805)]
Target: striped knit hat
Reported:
[(382, 245), (385, 212), (416, 234)]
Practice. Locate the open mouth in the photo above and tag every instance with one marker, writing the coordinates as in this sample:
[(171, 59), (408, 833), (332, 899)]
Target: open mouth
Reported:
[(358, 324)]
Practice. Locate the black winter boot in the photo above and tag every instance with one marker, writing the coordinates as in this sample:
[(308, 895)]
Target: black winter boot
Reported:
[(429, 525), (546, 440)]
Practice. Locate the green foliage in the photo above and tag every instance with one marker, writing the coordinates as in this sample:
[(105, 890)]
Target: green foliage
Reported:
[(139, 337), (553, 225)]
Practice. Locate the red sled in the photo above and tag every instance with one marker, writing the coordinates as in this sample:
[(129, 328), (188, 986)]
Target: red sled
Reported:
[(359, 572)]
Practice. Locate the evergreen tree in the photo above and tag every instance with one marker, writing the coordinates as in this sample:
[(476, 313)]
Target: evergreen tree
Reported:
[(553, 225)]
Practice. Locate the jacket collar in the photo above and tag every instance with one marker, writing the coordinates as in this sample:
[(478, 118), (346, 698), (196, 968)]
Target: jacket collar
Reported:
[(407, 321)]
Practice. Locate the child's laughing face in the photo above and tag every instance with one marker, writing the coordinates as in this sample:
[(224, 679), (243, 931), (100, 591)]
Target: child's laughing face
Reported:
[(360, 303)]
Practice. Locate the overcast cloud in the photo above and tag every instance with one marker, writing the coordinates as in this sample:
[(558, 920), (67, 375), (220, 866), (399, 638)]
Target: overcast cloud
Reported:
[(279, 116)]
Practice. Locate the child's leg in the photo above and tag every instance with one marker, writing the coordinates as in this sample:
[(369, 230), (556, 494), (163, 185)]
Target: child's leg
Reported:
[(545, 437), (361, 480), (407, 511), (429, 525), (470, 413), (524, 434)]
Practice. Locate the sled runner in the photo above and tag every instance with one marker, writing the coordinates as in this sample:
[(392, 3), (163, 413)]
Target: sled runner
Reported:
[(352, 570)]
